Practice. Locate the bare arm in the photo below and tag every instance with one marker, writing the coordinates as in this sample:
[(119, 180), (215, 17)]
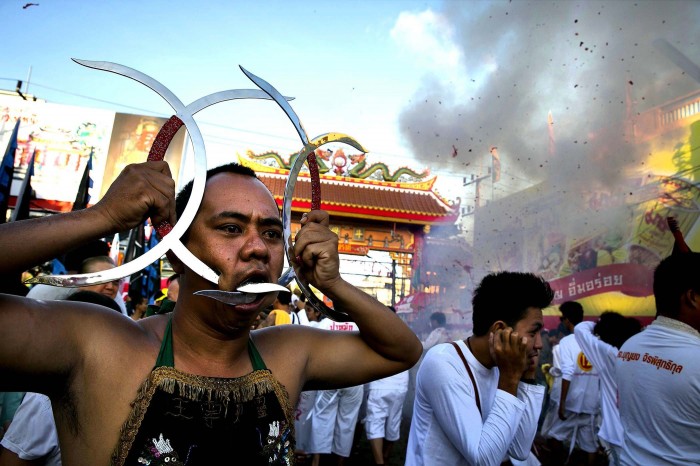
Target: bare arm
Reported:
[(10, 458), (384, 346), (41, 341), (562, 400), (140, 190)]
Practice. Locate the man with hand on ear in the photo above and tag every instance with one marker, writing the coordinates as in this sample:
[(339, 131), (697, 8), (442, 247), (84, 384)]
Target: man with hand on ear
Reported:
[(476, 400)]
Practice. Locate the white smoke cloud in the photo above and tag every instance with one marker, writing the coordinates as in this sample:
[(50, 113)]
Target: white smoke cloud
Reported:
[(498, 68), (430, 38)]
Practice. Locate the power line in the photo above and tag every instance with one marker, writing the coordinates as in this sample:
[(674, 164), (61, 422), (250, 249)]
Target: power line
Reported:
[(296, 143), (150, 112)]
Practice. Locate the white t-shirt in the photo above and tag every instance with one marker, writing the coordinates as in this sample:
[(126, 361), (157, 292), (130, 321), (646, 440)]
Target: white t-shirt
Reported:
[(58, 293), (301, 315), (603, 356), (40, 291), (555, 393), (437, 336), (32, 433), (658, 377), (584, 391), (328, 324), (447, 428)]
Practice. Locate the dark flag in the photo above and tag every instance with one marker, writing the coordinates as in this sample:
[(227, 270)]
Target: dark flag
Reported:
[(679, 244), (147, 282), (7, 170), (21, 211), (134, 244), (134, 248), (82, 199)]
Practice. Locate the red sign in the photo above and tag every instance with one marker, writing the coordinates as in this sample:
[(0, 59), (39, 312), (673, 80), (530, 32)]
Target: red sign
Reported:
[(630, 279)]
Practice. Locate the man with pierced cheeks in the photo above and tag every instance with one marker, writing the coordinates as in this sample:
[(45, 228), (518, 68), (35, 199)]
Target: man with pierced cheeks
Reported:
[(477, 402), (196, 386)]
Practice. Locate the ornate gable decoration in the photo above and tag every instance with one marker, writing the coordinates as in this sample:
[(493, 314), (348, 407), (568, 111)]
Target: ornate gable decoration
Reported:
[(336, 163)]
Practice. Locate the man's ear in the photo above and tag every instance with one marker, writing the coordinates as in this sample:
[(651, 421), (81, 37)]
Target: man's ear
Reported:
[(175, 262), (498, 325), (692, 298)]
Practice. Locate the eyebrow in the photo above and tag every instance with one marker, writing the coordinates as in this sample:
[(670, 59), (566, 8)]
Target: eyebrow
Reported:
[(266, 221), (538, 326)]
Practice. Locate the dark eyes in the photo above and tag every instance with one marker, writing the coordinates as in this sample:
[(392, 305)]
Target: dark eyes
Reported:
[(233, 229), (273, 234), (230, 228)]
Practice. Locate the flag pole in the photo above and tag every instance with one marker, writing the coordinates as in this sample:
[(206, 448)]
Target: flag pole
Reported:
[(22, 207)]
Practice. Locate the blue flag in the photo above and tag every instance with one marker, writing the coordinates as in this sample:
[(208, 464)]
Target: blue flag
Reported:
[(57, 267), (150, 281), (147, 282), (7, 170)]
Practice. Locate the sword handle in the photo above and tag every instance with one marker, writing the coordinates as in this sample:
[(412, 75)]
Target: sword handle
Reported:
[(157, 153)]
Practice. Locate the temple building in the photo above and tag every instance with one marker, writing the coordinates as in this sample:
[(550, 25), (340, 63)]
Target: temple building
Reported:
[(400, 231)]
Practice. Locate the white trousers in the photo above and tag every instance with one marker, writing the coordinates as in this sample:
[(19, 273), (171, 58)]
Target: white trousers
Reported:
[(302, 419), (333, 420)]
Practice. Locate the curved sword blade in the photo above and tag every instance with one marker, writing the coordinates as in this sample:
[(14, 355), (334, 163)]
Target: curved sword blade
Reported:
[(277, 97)]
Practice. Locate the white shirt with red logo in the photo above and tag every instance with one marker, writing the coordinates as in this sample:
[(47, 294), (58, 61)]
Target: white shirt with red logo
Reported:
[(658, 378), (584, 392), (328, 324)]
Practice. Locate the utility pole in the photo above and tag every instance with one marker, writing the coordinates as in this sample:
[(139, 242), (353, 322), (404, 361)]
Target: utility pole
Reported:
[(476, 180), (470, 210), (393, 282)]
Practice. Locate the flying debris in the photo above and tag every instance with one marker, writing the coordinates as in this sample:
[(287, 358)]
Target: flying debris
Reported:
[(454, 151), (28, 5), (466, 267)]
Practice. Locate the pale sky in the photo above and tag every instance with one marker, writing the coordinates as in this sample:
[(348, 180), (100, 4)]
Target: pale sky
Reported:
[(352, 66), (410, 80)]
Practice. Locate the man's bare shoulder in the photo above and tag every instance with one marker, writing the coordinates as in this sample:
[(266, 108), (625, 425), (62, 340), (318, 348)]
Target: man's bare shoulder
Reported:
[(279, 338), (97, 323), (154, 326)]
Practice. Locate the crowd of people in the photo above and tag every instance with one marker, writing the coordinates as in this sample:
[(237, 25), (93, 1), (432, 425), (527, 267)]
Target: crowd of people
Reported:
[(195, 381)]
